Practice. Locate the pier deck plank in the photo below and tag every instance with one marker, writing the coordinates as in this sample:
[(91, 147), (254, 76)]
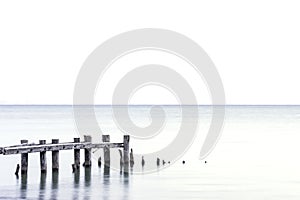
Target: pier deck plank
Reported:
[(33, 148)]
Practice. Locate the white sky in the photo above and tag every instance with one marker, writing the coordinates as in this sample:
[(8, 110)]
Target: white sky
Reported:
[(255, 46)]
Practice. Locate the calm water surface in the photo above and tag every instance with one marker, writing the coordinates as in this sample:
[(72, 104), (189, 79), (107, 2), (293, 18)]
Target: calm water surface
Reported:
[(257, 156)]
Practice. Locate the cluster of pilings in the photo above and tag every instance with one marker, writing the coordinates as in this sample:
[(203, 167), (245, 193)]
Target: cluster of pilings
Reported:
[(25, 148)]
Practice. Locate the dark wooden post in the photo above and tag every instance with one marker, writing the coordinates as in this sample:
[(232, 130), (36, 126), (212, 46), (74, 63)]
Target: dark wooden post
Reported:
[(55, 157), (126, 149), (126, 154), (131, 158), (43, 160), (87, 152), (77, 155), (99, 162), (24, 159), (106, 138), (17, 170)]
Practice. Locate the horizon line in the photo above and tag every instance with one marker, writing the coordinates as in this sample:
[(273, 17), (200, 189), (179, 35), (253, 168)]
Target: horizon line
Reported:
[(150, 105)]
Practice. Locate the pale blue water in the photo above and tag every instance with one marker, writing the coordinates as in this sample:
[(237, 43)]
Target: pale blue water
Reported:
[(257, 157)]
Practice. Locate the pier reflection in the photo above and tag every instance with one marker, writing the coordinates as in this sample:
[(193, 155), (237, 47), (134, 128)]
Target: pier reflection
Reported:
[(85, 185), (76, 175), (106, 171), (87, 176), (125, 187), (42, 185), (23, 186), (126, 170), (54, 185), (54, 180)]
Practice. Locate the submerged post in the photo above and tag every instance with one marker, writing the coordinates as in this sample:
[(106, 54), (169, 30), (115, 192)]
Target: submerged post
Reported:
[(55, 157), (76, 155), (43, 160), (106, 138), (24, 159), (87, 152)]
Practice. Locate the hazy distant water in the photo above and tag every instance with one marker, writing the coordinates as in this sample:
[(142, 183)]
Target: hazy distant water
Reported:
[(257, 157)]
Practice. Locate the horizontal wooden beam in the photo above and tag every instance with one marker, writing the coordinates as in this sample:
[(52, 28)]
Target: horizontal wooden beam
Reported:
[(33, 148)]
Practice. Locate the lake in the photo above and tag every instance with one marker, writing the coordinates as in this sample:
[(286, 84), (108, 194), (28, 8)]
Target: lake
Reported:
[(257, 156)]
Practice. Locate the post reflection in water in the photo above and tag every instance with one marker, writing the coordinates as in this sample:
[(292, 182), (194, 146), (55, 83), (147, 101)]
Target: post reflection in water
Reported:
[(76, 175), (125, 186), (106, 175), (121, 168), (42, 185), (54, 180), (54, 185), (126, 170), (107, 185), (23, 186), (124, 180), (131, 170), (87, 182), (106, 171), (87, 176), (76, 178)]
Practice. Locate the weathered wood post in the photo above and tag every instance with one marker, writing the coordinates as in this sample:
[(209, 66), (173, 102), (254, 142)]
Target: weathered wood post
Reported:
[(126, 149), (106, 138), (24, 159), (121, 158), (43, 160), (55, 157), (131, 158), (77, 155), (126, 153), (87, 152)]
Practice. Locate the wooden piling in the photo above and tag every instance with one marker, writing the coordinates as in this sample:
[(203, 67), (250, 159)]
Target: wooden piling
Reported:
[(121, 158), (77, 155), (99, 162), (87, 152), (55, 157), (17, 170), (143, 161), (126, 149), (43, 159), (131, 158), (106, 138), (24, 159)]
